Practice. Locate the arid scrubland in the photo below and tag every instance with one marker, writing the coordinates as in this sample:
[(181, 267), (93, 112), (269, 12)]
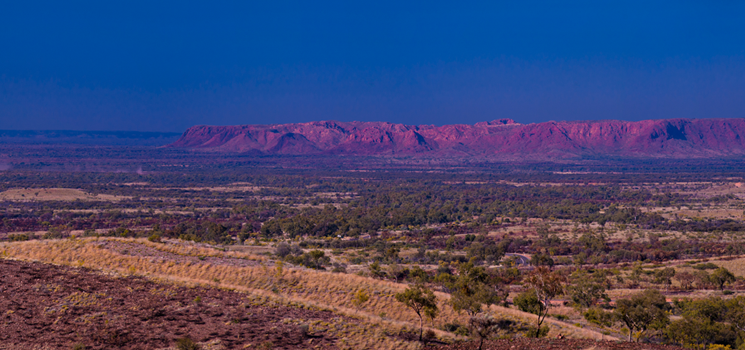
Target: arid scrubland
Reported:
[(325, 290), (353, 244)]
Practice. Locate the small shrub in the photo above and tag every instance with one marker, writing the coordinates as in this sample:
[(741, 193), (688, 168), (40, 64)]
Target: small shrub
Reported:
[(598, 316), (706, 266), (18, 237), (360, 298), (456, 328), (339, 268), (534, 332), (528, 302), (450, 327), (189, 237), (429, 335), (54, 233), (78, 346), (154, 238), (462, 331), (186, 343), (304, 329), (560, 317)]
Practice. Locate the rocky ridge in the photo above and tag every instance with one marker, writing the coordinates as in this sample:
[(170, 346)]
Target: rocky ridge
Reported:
[(499, 139)]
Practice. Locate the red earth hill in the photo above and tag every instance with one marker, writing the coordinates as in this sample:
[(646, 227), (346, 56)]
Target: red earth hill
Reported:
[(498, 139)]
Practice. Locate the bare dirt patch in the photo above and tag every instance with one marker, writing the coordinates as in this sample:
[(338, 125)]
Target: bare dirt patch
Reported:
[(54, 194)]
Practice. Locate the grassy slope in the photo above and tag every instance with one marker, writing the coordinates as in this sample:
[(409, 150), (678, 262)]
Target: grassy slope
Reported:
[(332, 291)]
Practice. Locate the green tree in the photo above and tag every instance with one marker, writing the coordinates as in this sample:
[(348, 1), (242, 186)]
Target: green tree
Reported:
[(422, 300), (484, 326), (542, 259), (686, 279), (586, 289), (720, 277), (376, 270), (664, 276), (643, 311), (271, 228), (485, 251), (546, 285), (419, 275), (528, 302), (703, 322), (735, 312), (473, 288)]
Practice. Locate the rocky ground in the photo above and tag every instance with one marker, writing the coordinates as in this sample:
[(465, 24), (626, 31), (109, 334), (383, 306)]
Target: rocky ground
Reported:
[(555, 344), (52, 307)]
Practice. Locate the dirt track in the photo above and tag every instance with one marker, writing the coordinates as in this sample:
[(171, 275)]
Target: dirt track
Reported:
[(51, 307)]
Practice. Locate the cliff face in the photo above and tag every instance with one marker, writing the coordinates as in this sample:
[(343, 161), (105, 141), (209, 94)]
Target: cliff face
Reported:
[(499, 139)]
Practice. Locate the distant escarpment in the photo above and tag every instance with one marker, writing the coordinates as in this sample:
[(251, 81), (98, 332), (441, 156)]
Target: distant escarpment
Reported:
[(499, 139), (92, 138)]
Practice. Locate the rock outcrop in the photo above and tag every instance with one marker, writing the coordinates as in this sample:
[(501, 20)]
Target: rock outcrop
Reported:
[(498, 139)]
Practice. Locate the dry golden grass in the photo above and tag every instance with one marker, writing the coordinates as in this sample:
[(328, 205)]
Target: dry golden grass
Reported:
[(292, 287), (557, 327), (334, 291), (251, 249), (736, 266), (54, 194), (191, 249)]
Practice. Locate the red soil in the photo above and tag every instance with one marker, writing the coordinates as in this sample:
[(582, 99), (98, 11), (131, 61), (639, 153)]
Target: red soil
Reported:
[(555, 344), (52, 307)]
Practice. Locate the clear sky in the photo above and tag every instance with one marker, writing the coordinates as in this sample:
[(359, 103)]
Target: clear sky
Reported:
[(167, 65)]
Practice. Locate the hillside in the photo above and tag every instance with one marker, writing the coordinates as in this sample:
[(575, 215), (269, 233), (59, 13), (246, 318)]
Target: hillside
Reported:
[(380, 323), (500, 139), (54, 307)]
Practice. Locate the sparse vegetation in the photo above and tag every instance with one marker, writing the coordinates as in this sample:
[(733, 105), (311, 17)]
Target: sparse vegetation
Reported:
[(580, 252), (643, 311), (186, 343), (422, 301)]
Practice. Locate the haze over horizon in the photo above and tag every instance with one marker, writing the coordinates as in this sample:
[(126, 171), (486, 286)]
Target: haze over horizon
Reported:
[(170, 65)]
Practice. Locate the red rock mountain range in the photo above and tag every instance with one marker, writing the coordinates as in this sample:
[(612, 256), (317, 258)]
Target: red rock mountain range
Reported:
[(498, 139)]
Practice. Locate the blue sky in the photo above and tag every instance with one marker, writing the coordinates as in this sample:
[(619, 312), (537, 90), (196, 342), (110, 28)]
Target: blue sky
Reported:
[(168, 65)]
